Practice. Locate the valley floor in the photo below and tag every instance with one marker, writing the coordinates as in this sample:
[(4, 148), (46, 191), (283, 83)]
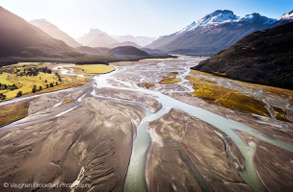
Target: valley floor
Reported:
[(151, 125)]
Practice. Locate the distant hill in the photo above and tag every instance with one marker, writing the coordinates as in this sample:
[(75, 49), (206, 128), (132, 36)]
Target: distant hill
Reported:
[(101, 51), (264, 57), (123, 44), (97, 38), (215, 32), (54, 32), (21, 39), (153, 51), (139, 40), (127, 51), (115, 52)]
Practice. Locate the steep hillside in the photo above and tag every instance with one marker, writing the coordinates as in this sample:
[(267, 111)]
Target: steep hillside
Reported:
[(54, 32), (21, 39), (264, 57)]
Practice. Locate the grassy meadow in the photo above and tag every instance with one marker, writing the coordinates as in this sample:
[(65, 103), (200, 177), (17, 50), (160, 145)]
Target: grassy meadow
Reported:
[(93, 69), (31, 78)]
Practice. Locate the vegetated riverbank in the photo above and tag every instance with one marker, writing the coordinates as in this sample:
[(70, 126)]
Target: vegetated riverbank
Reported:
[(34, 78)]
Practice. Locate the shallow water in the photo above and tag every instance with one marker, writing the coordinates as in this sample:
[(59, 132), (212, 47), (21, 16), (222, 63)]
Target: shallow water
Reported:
[(135, 180)]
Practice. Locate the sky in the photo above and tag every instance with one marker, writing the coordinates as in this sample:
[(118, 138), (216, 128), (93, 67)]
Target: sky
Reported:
[(151, 18)]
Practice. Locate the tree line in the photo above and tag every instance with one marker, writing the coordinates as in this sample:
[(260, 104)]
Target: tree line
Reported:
[(28, 71), (8, 87)]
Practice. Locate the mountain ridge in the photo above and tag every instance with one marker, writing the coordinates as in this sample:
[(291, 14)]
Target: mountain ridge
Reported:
[(214, 32), (54, 31), (21, 39)]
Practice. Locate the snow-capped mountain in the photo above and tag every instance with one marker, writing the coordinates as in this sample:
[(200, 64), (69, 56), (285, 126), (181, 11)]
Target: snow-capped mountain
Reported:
[(287, 16), (54, 32), (97, 38), (215, 32), (216, 18), (255, 18)]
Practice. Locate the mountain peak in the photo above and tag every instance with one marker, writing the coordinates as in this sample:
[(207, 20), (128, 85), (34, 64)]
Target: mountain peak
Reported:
[(21, 39), (214, 18), (97, 38), (218, 16), (95, 31), (287, 16), (40, 22), (54, 31), (226, 16), (219, 11), (256, 18)]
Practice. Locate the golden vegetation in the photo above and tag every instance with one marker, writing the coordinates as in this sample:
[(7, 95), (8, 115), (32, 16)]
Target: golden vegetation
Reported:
[(195, 72), (67, 100), (13, 112), (275, 90), (91, 70), (148, 85), (228, 98), (280, 114), (31, 78), (69, 83), (170, 79)]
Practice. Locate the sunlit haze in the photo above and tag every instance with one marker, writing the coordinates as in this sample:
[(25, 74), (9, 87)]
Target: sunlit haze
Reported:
[(135, 17)]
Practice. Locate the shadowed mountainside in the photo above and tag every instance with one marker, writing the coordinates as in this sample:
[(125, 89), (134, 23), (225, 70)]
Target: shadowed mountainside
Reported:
[(20, 38), (264, 57)]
